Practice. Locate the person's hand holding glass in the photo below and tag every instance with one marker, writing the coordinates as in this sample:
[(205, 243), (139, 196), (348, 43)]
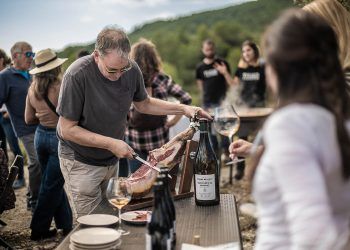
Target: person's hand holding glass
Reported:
[(119, 194)]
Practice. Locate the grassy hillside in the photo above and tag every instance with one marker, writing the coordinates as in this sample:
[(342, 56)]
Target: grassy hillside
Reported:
[(253, 16), (179, 40)]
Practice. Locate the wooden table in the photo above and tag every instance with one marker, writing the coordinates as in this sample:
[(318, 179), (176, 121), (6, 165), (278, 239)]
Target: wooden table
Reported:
[(215, 224), (251, 119)]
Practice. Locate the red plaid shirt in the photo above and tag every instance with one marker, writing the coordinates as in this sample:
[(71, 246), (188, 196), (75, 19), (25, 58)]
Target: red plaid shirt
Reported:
[(162, 87)]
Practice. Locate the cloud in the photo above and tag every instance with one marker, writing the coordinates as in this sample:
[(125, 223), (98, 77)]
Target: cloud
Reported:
[(131, 3), (86, 19), (163, 15)]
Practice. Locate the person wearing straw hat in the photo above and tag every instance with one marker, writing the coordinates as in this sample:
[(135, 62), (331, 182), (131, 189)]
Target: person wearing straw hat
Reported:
[(14, 84), (41, 108)]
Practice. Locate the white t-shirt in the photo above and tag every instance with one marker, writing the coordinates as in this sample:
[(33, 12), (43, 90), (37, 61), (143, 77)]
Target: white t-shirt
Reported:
[(302, 199)]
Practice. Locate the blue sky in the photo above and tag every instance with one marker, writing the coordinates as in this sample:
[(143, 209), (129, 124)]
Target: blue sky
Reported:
[(57, 23)]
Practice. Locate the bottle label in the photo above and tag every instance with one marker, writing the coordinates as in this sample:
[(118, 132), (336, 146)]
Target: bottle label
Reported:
[(205, 187), (148, 242)]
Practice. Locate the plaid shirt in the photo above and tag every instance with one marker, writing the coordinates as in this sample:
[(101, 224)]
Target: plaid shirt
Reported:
[(162, 87)]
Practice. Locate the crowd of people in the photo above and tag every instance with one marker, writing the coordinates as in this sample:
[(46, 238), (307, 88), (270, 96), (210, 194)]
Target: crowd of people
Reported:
[(113, 103)]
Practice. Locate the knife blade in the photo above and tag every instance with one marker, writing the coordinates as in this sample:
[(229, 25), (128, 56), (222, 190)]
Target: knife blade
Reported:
[(137, 157)]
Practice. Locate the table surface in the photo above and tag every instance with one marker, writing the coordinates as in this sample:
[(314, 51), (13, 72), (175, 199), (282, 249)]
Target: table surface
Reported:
[(215, 224), (254, 113)]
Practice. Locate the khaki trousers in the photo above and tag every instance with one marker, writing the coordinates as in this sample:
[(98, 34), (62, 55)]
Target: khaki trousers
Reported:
[(85, 184)]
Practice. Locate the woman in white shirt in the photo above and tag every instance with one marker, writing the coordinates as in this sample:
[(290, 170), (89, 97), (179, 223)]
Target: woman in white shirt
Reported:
[(302, 185)]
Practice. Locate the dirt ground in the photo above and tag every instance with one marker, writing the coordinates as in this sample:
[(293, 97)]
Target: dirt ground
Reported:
[(17, 232)]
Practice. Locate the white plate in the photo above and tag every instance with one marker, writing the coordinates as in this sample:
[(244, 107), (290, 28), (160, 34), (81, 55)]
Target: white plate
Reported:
[(95, 236), (133, 217), (101, 246), (114, 245), (98, 219)]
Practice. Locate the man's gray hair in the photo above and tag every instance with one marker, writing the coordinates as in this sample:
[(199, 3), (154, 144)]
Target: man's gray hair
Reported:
[(113, 38), (18, 47)]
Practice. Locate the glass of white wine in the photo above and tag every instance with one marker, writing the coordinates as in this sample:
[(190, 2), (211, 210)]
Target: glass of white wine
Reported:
[(119, 194), (226, 121)]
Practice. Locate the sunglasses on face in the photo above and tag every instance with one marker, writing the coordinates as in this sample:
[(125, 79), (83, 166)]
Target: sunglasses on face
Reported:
[(122, 70), (28, 54)]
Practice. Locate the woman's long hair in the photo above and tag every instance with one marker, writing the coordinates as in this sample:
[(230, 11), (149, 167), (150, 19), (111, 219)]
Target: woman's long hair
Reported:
[(303, 51), (242, 63), (145, 54), (43, 81), (339, 18)]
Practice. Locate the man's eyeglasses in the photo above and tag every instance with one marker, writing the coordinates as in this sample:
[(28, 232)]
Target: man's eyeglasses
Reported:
[(122, 70), (28, 54)]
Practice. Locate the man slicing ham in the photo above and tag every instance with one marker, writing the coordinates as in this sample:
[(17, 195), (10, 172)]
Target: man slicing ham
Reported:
[(95, 97)]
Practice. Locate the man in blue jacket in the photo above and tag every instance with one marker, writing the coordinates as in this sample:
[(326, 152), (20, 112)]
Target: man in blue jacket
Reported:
[(14, 84)]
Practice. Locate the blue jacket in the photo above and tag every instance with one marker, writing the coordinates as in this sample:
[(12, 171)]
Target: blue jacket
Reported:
[(13, 92)]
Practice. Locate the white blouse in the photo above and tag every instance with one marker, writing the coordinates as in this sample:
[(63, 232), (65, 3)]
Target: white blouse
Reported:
[(303, 202)]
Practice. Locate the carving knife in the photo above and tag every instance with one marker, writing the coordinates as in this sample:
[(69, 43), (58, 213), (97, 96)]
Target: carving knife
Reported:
[(137, 157)]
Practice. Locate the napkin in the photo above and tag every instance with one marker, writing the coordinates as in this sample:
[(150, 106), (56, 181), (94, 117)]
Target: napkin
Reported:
[(227, 246)]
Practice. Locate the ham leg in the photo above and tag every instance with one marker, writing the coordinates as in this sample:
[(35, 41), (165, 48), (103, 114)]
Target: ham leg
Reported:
[(168, 155)]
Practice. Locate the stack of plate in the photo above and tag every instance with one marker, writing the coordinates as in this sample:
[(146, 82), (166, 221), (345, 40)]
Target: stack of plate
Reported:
[(95, 238)]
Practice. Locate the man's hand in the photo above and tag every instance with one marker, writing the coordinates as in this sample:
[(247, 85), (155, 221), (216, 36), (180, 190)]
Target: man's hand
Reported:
[(221, 67), (191, 111), (121, 149)]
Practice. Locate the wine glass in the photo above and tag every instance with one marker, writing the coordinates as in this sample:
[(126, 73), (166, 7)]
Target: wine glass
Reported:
[(118, 195), (226, 121)]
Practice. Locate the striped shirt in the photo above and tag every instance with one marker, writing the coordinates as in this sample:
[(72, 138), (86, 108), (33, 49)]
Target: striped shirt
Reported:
[(162, 87)]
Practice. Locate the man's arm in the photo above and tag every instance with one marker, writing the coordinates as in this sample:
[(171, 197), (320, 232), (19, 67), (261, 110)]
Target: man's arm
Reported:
[(155, 106), (71, 131)]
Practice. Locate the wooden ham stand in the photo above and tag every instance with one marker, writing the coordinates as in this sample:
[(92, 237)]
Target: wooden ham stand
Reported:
[(186, 175)]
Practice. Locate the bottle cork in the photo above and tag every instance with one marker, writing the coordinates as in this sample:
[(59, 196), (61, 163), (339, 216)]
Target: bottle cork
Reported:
[(196, 240)]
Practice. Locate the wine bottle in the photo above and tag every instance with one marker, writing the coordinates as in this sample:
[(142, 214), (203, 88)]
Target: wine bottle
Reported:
[(169, 201), (158, 228), (206, 170)]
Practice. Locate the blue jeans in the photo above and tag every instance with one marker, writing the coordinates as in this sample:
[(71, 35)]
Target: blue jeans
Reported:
[(13, 142), (52, 201), (123, 170)]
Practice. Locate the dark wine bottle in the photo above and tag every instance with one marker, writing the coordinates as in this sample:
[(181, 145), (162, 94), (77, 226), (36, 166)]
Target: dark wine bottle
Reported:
[(169, 201), (206, 170), (158, 235)]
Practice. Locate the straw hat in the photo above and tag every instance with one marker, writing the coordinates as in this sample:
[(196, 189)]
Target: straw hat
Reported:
[(46, 60)]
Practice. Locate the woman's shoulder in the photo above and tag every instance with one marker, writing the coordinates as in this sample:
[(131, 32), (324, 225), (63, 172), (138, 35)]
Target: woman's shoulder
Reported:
[(299, 116)]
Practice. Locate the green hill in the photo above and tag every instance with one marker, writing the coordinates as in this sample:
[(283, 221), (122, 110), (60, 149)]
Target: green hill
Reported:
[(253, 16), (179, 40)]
